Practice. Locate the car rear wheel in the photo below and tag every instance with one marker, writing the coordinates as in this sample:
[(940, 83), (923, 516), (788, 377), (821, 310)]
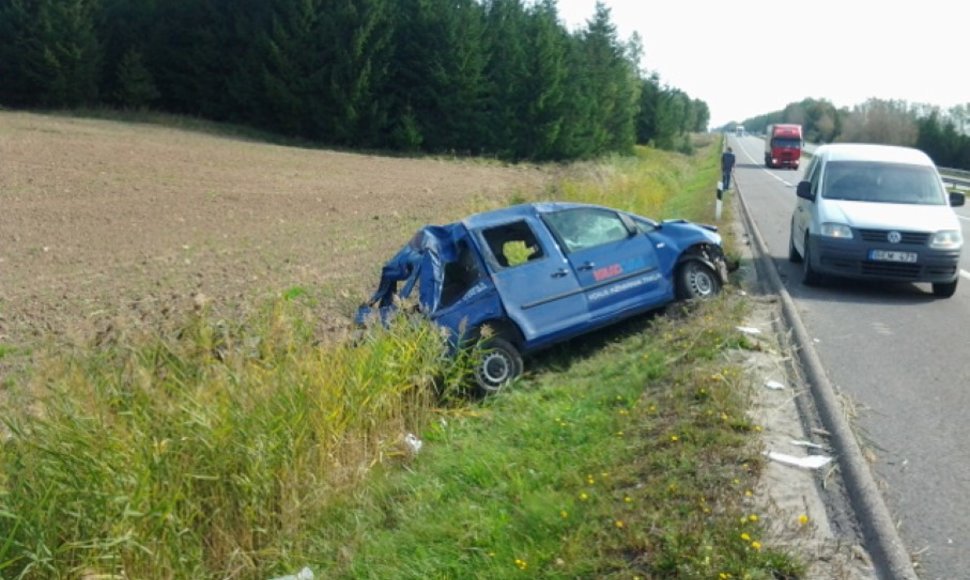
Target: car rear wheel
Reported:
[(944, 289), (498, 362), (697, 281), (810, 276)]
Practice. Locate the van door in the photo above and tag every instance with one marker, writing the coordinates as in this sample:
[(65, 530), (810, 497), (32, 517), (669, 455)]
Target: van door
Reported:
[(615, 263), (539, 290), (802, 218)]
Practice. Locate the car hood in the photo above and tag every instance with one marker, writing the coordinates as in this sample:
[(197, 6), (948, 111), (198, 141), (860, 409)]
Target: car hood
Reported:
[(890, 216)]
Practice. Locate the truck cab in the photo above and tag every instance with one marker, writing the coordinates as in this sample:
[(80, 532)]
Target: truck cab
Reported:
[(783, 146)]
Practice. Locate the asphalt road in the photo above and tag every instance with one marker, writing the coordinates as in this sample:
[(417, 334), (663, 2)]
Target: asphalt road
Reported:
[(899, 357)]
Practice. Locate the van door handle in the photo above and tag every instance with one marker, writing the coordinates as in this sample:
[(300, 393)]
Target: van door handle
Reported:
[(560, 273), (587, 266)]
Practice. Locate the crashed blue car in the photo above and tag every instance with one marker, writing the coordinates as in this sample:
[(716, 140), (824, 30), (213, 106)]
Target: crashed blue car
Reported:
[(540, 273)]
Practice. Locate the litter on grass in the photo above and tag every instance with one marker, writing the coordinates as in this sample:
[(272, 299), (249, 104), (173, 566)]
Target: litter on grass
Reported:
[(414, 444), (809, 444), (807, 462), (774, 386), (305, 574), (749, 329)]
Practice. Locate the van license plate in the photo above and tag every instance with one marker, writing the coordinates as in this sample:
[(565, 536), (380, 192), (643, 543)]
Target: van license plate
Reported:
[(892, 256)]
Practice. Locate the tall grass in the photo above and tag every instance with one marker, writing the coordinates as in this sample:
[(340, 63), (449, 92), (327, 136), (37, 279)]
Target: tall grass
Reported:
[(203, 454)]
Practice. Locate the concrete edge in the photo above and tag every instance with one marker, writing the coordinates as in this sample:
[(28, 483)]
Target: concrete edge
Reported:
[(889, 555)]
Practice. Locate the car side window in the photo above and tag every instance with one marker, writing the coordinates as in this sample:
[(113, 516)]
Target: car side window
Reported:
[(814, 175), (583, 228), (513, 243)]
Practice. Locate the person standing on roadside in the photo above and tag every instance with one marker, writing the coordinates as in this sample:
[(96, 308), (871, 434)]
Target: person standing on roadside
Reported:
[(727, 168)]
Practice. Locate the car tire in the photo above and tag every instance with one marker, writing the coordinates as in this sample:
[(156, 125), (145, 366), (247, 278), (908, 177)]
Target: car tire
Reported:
[(944, 289), (793, 255), (810, 276), (497, 363), (696, 281)]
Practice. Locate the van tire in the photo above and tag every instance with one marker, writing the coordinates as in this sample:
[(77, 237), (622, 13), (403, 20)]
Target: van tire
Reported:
[(793, 255), (810, 276), (695, 281), (497, 363), (944, 289)]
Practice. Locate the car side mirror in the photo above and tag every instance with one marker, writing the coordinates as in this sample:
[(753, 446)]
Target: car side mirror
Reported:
[(957, 199), (804, 190)]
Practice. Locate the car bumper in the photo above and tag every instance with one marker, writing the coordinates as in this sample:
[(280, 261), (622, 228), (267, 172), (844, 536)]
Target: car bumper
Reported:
[(850, 259)]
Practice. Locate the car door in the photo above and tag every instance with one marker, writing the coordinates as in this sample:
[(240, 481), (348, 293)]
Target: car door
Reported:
[(616, 264), (802, 218), (539, 290)]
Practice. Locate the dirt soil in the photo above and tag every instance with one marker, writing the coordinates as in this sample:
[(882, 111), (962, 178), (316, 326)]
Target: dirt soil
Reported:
[(105, 223)]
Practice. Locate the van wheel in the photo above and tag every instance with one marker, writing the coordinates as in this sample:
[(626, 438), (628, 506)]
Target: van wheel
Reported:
[(793, 255), (696, 281), (498, 362), (944, 289), (810, 276)]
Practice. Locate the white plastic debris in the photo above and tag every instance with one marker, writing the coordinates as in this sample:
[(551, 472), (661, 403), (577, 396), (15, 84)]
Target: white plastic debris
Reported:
[(807, 462), (305, 574), (749, 329), (809, 444), (774, 385), (414, 444)]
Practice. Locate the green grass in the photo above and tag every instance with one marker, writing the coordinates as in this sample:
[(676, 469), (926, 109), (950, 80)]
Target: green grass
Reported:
[(246, 449), (634, 459)]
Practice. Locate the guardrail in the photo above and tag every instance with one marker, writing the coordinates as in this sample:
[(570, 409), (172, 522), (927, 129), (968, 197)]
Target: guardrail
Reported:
[(955, 178)]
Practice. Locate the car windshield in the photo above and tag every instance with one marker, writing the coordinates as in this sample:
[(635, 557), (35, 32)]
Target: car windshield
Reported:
[(779, 142), (882, 183)]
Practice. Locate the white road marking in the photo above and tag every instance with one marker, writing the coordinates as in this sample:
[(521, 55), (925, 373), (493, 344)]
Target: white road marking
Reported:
[(965, 274)]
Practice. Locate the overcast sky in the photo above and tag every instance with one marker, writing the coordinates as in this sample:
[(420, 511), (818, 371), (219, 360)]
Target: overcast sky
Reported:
[(749, 57)]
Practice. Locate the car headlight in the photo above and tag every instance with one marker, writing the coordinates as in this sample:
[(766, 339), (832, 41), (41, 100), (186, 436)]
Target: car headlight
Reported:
[(831, 230), (946, 240)]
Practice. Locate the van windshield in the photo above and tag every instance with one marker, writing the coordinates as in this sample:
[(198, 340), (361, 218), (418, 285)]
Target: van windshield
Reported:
[(882, 183)]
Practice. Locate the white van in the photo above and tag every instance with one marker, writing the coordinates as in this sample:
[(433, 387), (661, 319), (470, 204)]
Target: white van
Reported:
[(876, 212)]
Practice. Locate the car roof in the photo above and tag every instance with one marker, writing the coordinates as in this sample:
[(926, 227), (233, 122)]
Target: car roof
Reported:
[(507, 214), (870, 152)]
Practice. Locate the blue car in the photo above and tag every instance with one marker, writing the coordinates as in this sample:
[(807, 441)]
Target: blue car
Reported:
[(540, 273)]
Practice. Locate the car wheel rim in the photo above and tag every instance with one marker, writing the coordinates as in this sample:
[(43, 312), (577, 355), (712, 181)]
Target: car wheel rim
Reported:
[(494, 370), (701, 282)]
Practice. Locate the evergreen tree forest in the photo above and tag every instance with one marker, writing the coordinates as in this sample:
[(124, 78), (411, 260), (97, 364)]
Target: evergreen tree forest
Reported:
[(500, 78)]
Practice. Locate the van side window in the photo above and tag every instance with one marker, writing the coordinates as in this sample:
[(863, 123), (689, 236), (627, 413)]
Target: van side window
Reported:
[(582, 228), (814, 174), (513, 244)]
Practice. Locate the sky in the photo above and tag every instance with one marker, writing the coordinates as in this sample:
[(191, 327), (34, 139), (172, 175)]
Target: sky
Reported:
[(745, 58)]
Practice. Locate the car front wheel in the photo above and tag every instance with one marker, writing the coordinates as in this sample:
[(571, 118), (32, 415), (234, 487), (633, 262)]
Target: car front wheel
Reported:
[(810, 276), (793, 255), (497, 363), (696, 281), (944, 289)]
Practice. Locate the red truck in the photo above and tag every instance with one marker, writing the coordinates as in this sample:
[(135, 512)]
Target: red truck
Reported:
[(783, 145)]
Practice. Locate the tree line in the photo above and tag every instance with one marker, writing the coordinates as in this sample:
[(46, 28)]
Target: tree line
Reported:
[(502, 78), (943, 135)]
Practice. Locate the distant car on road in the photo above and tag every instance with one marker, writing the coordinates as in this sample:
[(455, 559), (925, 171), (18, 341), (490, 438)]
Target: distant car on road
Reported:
[(537, 274), (876, 212)]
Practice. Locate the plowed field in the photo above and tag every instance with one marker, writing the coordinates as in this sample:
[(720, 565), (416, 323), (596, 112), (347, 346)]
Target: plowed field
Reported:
[(106, 224)]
